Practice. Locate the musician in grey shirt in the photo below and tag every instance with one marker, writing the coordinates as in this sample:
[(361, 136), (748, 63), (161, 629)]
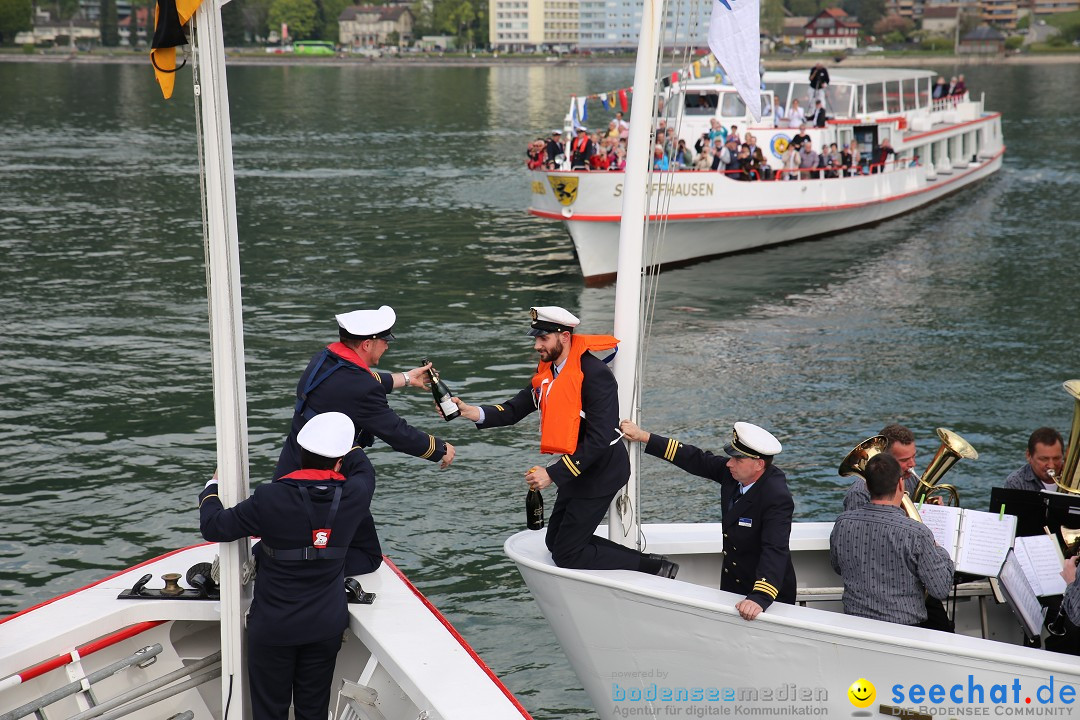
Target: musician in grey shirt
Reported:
[(1045, 455), (902, 447), (887, 560)]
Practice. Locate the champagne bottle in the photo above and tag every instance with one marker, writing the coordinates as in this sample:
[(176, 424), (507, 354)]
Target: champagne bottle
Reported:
[(534, 510), (442, 394)]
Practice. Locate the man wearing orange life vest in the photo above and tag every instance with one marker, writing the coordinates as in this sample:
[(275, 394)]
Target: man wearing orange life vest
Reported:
[(578, 400)]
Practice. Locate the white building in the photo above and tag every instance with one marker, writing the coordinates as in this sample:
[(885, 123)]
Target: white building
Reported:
[(519, 25)]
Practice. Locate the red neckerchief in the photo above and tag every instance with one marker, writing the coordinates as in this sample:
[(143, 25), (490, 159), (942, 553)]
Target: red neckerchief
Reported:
[(344, 352), (310, 474)]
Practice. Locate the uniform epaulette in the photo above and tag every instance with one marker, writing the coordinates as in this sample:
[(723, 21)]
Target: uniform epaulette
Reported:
[(375, 375), (763, 586), (571, 466), (430, 449), (673, 446)]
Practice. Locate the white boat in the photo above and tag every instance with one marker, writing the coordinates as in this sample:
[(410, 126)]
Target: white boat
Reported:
[(644, 646), (179, 653), (162, 657), (941, 146)]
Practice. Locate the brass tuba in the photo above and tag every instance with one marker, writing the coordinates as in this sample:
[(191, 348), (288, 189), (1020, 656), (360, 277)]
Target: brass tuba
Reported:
[(953, 448), (1070, 476), (855, 463)]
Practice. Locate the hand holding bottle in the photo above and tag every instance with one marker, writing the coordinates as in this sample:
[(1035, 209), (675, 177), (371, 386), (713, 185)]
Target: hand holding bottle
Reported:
[(418, 377), (447, 409), (469, 412), (537, 478)]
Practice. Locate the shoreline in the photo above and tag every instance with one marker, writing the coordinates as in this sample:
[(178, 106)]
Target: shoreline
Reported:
[(802, 61)]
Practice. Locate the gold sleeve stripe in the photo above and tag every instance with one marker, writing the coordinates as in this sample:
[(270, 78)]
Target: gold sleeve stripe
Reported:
[(375, 375), (499, 408), (430, 448), (207, 498), (767, 588), (571, 466), (672, 448)]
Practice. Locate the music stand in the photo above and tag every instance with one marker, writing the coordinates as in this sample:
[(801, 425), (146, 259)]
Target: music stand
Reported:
[(1029, 508)]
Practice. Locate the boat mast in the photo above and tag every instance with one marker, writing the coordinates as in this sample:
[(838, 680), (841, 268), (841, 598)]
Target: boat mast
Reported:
[(226, 337), (625, 527)]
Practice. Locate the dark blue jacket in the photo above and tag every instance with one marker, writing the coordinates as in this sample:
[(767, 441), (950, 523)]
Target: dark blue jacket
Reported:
[(299, 601), (757, 526), (360, 394), (599, 468)]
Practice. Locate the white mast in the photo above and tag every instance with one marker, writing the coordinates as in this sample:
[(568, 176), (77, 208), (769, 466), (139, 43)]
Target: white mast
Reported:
[(226, 339), (631, 245)]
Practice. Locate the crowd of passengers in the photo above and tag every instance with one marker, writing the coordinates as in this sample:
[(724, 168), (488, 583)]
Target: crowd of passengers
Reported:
[(720, 149)]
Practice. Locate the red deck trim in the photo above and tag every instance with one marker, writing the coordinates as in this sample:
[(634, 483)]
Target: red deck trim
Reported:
[(762, 213), (98, 582), (87, 649), (457, 636)]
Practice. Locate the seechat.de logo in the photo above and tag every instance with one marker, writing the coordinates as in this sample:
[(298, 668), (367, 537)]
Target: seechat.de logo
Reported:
[(862, 693)]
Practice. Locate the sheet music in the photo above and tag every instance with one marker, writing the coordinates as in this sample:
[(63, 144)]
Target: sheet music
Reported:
[(944, 522), (1020, 595), (985, 538), (1041, 560)]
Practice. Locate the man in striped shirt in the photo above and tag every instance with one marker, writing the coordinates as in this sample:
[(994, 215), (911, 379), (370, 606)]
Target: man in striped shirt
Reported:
[(887, 560)]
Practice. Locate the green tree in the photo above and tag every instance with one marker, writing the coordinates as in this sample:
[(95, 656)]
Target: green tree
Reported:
[(772, 17), (867, 11), (110, 33), (299, 15), (15, 16), (894, 24), (256, 17), (330, 11), (232, 23), (804, 8)]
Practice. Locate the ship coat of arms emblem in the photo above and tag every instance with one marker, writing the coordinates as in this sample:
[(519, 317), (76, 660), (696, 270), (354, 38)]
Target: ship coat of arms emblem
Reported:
[(565, 188)]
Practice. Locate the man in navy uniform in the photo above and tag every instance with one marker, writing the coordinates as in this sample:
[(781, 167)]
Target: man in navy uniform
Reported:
[(578, 400), (757, 508), (307, 520), (341, 378)]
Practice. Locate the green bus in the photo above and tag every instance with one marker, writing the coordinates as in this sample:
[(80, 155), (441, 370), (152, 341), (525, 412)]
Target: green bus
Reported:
[(313, 47)]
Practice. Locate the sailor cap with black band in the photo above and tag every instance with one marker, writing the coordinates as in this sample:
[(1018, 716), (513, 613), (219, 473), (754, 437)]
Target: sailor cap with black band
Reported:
[(552, 319), (328, 435), (750, 441), (368, 324)]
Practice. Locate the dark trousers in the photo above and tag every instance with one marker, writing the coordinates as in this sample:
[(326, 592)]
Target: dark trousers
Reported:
[(937, 617), (571, 540), (301, 674)]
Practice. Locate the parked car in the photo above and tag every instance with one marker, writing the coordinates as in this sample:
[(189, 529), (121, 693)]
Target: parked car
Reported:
[(874, 48)]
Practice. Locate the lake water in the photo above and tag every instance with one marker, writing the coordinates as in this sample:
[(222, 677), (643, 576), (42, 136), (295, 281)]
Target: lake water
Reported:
[(359, 186)]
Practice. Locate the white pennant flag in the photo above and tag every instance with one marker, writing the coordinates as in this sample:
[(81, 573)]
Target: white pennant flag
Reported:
[(735, 40)]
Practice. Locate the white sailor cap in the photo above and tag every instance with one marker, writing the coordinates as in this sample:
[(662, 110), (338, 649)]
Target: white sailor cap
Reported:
[(367, 324), (328, 435), (552, 319), (556, 132), (750, 441)]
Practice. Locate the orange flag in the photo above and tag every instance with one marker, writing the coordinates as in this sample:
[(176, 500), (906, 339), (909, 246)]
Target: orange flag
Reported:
[(170, 17)]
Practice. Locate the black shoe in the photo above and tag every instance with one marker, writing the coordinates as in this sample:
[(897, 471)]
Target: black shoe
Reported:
[(667, 569)]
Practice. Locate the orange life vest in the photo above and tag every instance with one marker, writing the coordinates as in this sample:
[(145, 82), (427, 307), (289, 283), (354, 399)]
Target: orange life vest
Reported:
[(558, 398)]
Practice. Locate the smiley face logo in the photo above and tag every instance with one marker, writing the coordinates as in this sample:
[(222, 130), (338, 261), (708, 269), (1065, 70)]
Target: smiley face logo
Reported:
[(862, 693)]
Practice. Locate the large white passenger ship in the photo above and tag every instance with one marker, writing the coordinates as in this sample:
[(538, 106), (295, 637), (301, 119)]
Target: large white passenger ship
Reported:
[(940, 146)]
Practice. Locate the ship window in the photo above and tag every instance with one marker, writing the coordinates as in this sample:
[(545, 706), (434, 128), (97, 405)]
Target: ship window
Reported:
[(875, 97), (731, 105), (780, 90), (910, 96), (892, 96), (838, 99), (700, 103)]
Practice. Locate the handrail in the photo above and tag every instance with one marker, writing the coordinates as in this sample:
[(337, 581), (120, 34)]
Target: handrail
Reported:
[(60, 693), (141, 691), (81, 651)]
